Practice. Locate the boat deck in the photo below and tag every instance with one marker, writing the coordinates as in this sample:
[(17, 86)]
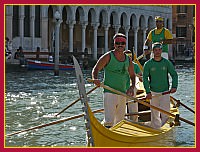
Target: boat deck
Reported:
[(134, 129)]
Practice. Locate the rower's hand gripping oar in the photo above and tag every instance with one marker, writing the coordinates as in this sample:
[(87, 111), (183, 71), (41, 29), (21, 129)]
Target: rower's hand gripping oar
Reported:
[(144, 103), (158, 95)]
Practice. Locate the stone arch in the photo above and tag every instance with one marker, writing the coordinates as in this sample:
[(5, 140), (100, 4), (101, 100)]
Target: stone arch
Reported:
[(64, 34), (103, 18), (141, 32), (150, 24), (92, 16), (71, 15), (142, 22), (123, 22), (80, 21), (133, 21), (133, 29), (51, 36), (80, 15), (113, 21), (115, 17)]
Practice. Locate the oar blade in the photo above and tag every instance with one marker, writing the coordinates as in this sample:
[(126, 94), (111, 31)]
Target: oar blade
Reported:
[(80, 80), (84, 99)]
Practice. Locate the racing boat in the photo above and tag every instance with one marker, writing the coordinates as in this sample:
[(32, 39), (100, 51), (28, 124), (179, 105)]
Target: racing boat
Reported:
[(126, 133)]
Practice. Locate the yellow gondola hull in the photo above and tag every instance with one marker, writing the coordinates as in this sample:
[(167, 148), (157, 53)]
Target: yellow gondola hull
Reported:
[(130, 134)]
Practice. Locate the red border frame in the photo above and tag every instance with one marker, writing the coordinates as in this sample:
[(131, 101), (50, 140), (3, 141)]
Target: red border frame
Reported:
[(2, 89)]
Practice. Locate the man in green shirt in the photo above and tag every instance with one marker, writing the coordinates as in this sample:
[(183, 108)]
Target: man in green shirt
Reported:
[(156, 81), (161, 35), (136, 66), (118, 68), (133, 106)]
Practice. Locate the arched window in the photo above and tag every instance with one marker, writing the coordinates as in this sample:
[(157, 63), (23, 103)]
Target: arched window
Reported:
[(182, 9), (15, 25), (27, 21), (37, 21)]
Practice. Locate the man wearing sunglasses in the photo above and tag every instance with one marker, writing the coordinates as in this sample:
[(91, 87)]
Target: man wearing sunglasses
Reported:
[(118, 68), (158, 34)]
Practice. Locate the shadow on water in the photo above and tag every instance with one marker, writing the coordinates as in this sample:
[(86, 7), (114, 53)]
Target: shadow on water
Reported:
[(34, 97)]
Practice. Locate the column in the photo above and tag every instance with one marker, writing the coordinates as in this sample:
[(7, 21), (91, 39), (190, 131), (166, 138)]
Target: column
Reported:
[(9, 21), (44, 34), (126, 33), (21, 25), (95, 26), (116, 27), (32, 27), (135, 39), (71, 28), (58, 21), (144, 34), (83, 36), (106, 38)]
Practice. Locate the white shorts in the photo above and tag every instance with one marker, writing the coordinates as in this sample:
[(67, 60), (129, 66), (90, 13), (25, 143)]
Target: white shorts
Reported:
[(114, 108), (133, 106), (158, 119)]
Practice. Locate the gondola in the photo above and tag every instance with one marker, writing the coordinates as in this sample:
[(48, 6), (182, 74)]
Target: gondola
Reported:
[(126, 133), (41, 65)]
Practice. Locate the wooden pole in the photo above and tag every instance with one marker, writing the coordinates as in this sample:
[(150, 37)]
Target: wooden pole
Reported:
[(179, 102)]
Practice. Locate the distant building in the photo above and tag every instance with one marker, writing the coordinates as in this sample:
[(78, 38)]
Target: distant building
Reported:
[(83, 29), (183, 28)]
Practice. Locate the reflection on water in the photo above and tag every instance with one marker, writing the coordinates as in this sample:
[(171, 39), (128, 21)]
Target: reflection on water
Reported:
[(34, 97)]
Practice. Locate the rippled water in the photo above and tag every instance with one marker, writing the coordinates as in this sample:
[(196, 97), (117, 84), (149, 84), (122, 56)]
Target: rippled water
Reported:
[(34, 97)]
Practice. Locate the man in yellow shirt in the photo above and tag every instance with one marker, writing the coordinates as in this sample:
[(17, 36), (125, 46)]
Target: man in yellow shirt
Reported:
[(159, 34)]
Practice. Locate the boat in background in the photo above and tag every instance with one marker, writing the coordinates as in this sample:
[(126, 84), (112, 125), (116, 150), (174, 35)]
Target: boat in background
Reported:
[(40, 65)]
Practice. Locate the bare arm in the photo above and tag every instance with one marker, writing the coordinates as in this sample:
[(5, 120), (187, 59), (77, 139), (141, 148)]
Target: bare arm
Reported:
[(131, 73), (101, 63), (130, 91), (169, 41), (147, 43)]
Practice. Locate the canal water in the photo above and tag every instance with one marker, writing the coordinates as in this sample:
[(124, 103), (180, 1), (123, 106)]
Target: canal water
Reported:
[(34, 97)]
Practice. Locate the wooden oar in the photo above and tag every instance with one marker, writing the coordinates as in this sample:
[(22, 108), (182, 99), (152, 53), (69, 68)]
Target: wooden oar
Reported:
[(136, 60), (138, 113), (144, 103), (53, 123), (75, 101), (179, 102), (155, 96), (140, 57)]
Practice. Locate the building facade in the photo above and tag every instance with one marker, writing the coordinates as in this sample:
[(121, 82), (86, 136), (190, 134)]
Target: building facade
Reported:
[(82, 29), (183, 21)]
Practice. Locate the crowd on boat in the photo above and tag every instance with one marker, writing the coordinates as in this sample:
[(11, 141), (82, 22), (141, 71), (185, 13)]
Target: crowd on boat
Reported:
[(119, 69)]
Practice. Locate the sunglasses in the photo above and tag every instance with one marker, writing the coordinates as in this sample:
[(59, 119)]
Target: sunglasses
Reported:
[(159, 21), (120, 43)]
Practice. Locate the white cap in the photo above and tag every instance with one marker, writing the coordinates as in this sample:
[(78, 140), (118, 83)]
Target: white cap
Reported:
[(145, 47)]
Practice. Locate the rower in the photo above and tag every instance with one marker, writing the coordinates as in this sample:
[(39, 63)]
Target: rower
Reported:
[(132, 106)]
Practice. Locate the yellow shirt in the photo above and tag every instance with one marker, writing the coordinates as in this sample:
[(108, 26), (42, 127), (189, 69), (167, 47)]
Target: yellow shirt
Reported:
[(167, 33)]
